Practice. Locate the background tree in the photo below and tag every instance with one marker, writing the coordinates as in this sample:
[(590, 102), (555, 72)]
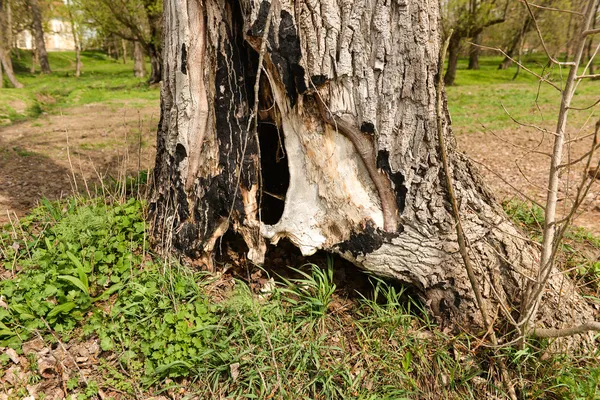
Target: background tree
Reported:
[(136, 21), (38, 33), (348, 95), (139, 64), (5, 60), (468, 19)]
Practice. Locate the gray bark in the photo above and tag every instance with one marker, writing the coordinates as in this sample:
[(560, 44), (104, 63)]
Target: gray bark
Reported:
[(139, 65), (38, 33), (371, 68)]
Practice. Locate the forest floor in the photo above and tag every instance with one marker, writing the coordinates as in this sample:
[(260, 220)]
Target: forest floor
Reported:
[(87, 310)]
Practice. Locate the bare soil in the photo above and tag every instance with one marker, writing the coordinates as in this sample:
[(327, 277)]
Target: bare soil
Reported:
[(514, 166), (57, 155)]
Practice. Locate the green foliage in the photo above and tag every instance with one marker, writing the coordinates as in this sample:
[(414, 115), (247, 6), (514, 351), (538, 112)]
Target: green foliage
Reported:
[(527, 215), (161, 320), (81, 266), (313, 293), (82, 254)]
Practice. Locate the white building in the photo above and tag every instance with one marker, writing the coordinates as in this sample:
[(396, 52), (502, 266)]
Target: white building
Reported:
[(58, 37)]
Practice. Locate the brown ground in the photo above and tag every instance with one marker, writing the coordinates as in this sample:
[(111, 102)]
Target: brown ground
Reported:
[(510, 166), (34, 160)]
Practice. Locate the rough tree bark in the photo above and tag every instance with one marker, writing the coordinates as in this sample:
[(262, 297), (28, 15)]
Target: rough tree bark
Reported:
[(348, 96), (139, 65), (38, 33)]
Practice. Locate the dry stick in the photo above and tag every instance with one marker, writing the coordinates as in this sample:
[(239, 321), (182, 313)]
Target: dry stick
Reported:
[(462, 243), (534, 292), (69, 158), (554, 9)]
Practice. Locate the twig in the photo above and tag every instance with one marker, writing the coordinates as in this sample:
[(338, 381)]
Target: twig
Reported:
[(462, 243), (554, 9)]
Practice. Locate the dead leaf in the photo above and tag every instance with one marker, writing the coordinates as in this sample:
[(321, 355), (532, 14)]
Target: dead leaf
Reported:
[(235, 370), (12, 354)]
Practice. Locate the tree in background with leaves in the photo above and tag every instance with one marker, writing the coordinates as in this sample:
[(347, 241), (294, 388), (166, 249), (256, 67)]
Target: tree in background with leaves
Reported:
[(468, 19), (138, 21)]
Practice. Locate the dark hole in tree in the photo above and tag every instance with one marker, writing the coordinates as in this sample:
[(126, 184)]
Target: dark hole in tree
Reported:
[(275, 172)]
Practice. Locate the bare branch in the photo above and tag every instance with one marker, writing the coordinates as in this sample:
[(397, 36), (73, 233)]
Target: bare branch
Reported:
[(594, 76), (518, 63), (554, 9), (557, 333), (591, 32)]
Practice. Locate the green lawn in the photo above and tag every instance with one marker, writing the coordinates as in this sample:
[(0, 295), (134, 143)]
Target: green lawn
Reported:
[(103, 79), (478, 97)]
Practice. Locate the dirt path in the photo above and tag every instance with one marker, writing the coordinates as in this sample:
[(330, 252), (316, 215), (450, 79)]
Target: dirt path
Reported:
[(510, 162), (34, 160)]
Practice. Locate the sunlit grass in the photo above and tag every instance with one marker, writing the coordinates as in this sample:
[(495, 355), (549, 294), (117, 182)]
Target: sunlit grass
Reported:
[(103, 80), (489, 97)]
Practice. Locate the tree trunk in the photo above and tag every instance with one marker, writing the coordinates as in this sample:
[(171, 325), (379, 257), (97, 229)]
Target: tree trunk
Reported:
[(5, 61), (155, 64), (474, 52), (589, 51), (38, 32), (154, 46), (349, 92), (516, 43), (8, 33), (34, 58), (124, 46), (76, 40), (139, 65), (453, 53)]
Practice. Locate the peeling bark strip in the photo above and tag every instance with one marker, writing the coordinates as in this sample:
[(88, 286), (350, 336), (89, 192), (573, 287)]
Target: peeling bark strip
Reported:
[(373, 190)]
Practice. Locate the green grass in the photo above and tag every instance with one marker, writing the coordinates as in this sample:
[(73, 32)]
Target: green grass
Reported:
[(477, 98), (103, 80), (79, 270)]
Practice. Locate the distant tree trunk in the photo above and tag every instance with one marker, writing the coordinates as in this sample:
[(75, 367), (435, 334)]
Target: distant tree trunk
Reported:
[(8, 34), (34, 58), (354, 104), (474, 52), (5, 61), (76, 40), (154, 46), (155, 63), (139, 65), (38, 31), (124, 46), (516, 42), (589, 52), (453, 53)]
